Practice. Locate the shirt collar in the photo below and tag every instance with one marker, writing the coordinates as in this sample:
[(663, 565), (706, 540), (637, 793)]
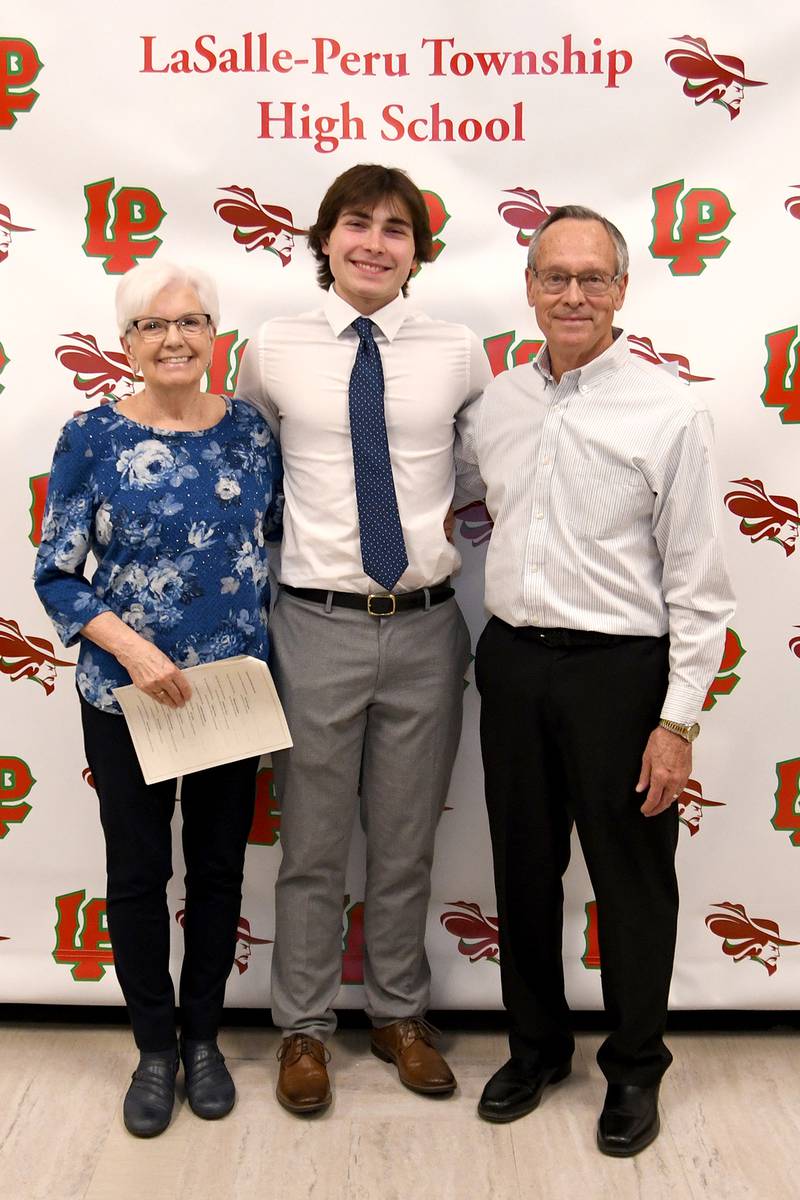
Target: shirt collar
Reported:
[(388, 319), (610, 360)]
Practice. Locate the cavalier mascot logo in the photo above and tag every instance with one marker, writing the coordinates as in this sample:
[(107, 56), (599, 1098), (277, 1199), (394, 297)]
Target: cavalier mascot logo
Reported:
[(7, 227), (477, 934), (763, 516), (745, 937), (525, 213), (96, 372), (245, 941), (27, 657), (258, 226), (476, 524), (718, 78), (642, 347), (691, 804)]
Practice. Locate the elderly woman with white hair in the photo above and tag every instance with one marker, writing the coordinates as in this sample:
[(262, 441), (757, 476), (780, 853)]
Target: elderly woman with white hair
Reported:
[(175, 492)]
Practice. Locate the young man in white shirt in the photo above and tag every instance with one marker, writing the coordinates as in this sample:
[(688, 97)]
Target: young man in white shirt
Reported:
[(368, 398)]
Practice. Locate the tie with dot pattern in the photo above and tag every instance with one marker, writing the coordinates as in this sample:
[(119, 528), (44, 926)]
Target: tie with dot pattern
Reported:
[(383, 548)]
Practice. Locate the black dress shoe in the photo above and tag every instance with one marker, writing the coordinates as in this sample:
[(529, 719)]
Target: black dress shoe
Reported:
[(629, 1120), (209, 1087), (517, 1088), (147, 1107)]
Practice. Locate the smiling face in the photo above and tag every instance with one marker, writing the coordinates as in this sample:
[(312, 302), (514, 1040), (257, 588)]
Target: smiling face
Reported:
[(371, 254), (175, 360), (577, 327)]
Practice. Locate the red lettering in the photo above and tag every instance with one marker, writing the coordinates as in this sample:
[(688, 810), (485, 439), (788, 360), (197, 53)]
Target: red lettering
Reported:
[(787, 817), (690, 240), (353, 942), (121, 238), (19, 67), (82, 941), (265, 829), (782, 382), (38, 485), (498, 346), (591, 954)]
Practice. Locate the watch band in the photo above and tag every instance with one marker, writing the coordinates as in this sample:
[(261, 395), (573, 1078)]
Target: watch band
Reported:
[(687, 732)]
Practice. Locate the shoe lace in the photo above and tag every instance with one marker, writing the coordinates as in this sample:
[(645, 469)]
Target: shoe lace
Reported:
[(418, 1029), (294, 1047)]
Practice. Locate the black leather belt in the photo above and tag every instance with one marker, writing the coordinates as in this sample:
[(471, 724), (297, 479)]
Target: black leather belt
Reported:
[(570, 637), (377, 604)]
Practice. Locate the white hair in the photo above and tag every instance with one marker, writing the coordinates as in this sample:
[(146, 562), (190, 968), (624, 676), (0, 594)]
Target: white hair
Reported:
[(577, 212), (138, 287)]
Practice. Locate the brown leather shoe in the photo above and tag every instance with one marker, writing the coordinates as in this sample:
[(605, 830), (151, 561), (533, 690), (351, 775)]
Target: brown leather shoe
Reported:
[(303, 1084), (408, 1045)]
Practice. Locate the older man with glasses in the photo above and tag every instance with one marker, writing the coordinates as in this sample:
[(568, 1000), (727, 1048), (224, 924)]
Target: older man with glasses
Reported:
[(609, 602)]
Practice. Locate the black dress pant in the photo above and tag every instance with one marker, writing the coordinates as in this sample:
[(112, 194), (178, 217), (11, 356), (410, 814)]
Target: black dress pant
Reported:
[(563, 729), (217, 809)]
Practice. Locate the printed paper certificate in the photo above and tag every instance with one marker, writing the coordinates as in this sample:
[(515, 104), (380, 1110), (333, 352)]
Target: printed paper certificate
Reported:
[(234, 713)]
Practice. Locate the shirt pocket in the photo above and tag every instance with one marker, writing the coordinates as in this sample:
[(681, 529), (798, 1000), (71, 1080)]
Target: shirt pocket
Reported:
[(609, 502)]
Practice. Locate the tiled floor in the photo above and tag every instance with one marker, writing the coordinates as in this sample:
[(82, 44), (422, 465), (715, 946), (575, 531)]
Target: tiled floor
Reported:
[(730, 1127)]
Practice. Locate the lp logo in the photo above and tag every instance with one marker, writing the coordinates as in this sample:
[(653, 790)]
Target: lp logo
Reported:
[(19, 66), (690, 237), (82, 939), (118, 225)]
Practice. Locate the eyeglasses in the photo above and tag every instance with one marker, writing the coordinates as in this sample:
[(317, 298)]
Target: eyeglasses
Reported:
[(591, 283), (154, 329)]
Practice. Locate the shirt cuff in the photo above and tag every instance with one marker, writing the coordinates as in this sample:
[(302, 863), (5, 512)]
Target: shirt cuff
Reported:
[(682, 704)]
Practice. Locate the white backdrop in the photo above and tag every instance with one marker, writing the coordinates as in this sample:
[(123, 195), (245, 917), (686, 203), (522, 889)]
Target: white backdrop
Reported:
[(119, 132)]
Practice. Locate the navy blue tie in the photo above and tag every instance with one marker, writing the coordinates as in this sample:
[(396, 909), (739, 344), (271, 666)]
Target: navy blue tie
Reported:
[(383, 548)]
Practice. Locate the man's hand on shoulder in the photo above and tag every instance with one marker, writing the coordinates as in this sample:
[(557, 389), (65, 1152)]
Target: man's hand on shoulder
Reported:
[(666, 767)]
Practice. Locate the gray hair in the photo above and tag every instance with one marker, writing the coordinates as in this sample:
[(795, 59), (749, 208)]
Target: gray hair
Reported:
[(138, 287), (577, 212)]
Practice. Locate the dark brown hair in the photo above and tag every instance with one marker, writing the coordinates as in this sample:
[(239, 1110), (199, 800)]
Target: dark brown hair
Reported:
[(363, 187)]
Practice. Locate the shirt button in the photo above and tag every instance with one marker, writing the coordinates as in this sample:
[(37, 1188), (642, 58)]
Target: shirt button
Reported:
[(547, 460), (539, 516), (535, 568)]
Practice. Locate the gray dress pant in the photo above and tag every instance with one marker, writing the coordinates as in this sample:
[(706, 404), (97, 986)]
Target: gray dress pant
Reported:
[(374, 706)]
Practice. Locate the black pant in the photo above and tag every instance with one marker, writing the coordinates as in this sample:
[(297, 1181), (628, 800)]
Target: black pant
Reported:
[(563, 729), (217, 808)]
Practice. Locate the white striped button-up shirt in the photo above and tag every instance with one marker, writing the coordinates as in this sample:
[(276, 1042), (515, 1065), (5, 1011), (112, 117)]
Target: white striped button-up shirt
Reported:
[(606, 510)]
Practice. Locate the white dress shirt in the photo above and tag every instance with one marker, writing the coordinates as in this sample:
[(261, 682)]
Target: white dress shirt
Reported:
[(606, 510), (296, 371)]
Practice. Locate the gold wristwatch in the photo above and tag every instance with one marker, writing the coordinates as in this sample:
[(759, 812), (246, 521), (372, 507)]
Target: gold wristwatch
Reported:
[(687, 732)]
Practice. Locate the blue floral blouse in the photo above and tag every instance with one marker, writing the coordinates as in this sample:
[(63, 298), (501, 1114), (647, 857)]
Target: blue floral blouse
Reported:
[(177, 522)]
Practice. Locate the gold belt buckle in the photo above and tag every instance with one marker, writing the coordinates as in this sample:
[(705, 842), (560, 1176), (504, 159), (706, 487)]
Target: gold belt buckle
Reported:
[(389, 612)]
